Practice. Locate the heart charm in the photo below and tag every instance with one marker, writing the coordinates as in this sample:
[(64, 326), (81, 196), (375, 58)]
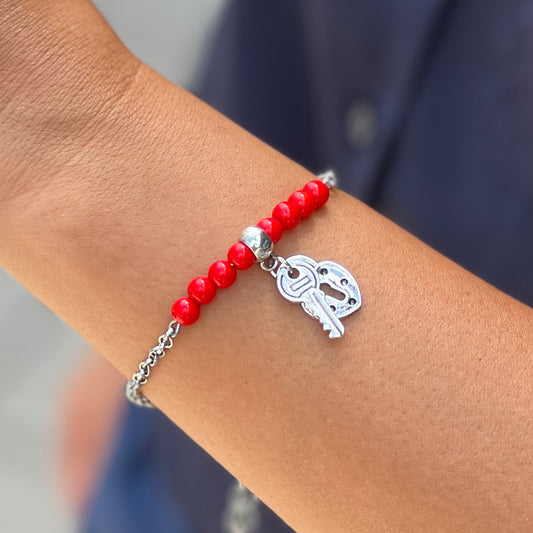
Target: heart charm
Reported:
[(339, 279)]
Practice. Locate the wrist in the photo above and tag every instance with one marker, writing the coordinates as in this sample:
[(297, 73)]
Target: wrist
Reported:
[(63, 75)]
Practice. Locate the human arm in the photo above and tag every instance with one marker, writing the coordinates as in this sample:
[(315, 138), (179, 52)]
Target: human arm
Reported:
[(335, 436)]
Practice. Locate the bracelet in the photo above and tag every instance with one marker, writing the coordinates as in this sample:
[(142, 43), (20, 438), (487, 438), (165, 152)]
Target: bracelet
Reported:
[(325, 290)]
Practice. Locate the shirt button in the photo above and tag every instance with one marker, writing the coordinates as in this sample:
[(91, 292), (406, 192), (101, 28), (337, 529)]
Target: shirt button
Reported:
[(361, 124)]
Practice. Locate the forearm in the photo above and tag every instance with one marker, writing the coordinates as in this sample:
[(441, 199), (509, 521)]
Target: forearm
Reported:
[(419, 418)]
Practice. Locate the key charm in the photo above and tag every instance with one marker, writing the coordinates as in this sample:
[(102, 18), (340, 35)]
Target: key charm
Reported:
[(303, 280)]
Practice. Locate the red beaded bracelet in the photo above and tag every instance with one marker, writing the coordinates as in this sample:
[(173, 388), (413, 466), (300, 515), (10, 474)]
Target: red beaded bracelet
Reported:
[(299, 278)]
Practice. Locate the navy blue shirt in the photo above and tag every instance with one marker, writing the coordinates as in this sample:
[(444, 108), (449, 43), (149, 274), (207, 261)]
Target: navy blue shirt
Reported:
[(424, 109)]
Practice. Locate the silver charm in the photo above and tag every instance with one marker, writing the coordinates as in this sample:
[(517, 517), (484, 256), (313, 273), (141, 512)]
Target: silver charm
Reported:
[(301, 279)]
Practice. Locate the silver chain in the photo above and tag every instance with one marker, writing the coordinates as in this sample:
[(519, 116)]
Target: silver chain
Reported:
[(241, 513), (140, 377)]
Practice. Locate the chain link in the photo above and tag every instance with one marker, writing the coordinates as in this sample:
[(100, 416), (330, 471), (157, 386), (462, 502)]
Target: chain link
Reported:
[(273, 263), (329, 178), (140, 377)]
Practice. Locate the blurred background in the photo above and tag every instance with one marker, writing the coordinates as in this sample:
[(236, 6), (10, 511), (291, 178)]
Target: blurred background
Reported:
[(37, 350)]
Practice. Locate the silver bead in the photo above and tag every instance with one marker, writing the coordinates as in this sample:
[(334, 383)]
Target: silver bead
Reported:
[(258, 241)]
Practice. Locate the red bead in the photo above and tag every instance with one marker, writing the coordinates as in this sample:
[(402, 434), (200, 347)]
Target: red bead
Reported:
[(222, 274), (305, 201), (185, 311), (319, 190), (288, 213), (272, 227), (240, 256), (201, 290)]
